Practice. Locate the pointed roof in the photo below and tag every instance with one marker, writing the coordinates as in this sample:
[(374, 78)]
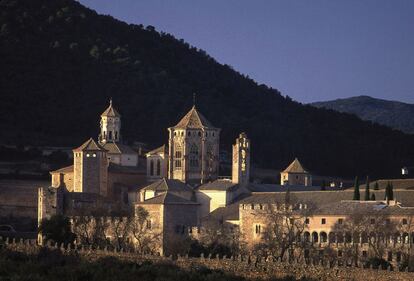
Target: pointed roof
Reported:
[(161, 149), (118, 148), (295, 167), (193, 120), (89, 145), (168, 185), (168, 198), (110, 111)]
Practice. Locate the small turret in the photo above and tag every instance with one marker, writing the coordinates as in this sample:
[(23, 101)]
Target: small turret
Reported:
[(110, 125)]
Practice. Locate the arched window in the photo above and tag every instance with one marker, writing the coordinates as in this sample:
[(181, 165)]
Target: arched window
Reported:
[(324, 237), (151, 167), (158, 167), (116, 135), (315, 237), (194, 156), (110, 135)]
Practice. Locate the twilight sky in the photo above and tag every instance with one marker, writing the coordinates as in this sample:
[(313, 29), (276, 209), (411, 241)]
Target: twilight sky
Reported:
[(310, 50)]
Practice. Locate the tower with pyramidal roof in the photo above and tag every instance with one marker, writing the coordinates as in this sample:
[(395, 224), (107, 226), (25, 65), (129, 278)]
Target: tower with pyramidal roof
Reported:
[(193, 149), (110, 125), (295, 174)]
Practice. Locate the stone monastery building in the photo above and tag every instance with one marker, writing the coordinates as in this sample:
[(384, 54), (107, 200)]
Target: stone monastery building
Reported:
[(180, 187)]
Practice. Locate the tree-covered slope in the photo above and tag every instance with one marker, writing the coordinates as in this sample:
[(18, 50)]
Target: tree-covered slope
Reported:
[(61, 62), (393, 114)]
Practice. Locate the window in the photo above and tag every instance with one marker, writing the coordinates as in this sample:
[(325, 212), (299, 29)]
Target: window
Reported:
[(340, 221), (323, 221), (307, 221), (404, 221), (189, 133), (194, 156), (339, 253), (258, 229), (372, 221), (110, 135), (178, 155), (151, 167), (158, 167), (94, 155)]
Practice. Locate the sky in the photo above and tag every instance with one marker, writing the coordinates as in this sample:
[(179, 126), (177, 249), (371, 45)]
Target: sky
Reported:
[(309, 50)]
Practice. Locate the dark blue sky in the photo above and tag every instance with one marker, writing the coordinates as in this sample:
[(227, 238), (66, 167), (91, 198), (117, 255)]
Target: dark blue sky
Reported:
[(310, 50)]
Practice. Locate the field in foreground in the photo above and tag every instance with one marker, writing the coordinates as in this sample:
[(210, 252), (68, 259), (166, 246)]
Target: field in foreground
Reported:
[(52, 265)]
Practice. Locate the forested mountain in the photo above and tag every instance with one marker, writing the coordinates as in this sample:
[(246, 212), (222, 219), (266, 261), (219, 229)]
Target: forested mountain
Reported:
[(61, 62), (394, 114)]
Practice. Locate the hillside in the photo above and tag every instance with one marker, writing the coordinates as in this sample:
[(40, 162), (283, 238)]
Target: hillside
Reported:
[(393, 114), (61, 62)]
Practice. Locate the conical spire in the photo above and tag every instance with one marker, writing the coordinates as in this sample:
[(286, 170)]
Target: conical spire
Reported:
[(110, 111)]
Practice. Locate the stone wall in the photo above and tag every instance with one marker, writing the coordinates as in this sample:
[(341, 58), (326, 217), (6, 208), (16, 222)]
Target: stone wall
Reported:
[(249, 267)]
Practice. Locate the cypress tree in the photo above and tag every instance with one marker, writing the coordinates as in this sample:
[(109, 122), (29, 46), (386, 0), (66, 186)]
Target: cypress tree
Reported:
[(367, 197), (376, 186), (389, 193), (356, 190), (373, 197)]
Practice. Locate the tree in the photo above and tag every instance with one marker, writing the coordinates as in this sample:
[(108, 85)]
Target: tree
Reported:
[(285, 225), (376, 186), (373, 227), (373, 197), (57, 229), (146, 234), (356, 189), (367, 196), (389, 193), (218, 237)]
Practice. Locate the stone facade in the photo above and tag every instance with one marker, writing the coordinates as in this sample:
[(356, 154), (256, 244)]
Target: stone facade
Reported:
[(193, 149)]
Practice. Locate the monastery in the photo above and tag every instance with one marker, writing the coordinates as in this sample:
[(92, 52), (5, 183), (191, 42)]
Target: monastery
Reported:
[(181, 189)]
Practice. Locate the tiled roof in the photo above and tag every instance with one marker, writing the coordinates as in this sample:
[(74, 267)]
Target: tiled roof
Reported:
[(110, 111), (168, 185), (221, 185), (168, 198), (320, 198), (64, 170), (363, 207), (295, 167), (90, 145), (161, 149), (282, 188), (194, 120), (118, 148)]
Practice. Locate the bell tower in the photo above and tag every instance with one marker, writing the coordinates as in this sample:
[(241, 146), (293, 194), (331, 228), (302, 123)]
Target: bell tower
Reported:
[(241, 160), (110, 125)]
